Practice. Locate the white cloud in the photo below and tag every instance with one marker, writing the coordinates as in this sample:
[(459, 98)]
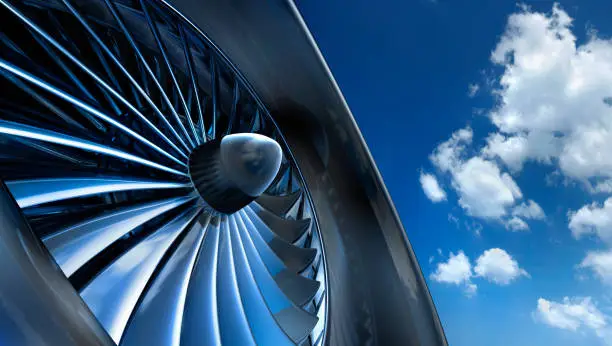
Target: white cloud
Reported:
[(529, 210), (497, 266), (600, 262), (473, 90), (483, 189), (511, 150), (457, 270), (603, 187), (447, 155), (593, 219), (432, 189), (516, 224), (554, 97), (573, 314)]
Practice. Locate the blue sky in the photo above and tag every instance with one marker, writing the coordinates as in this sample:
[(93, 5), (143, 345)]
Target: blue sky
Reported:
[(491, 123)]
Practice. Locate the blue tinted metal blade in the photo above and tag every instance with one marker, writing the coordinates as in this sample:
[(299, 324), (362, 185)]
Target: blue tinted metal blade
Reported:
[(134, 84), (294, 321), (96, 48), (319, 328), (64, 68), (113, 294), (288, 230), (82, 105), (43, 100), (128, 36), (194, 82), (162, 49), (279, 205), (233, 323), (214, 87), (33, 192), (202, 126), (295, 258), (200, 320), (234, 109), (297, 288), (260, 296), (273, 262), (272, 294), (76, 245), (20, 130), (158, 320)]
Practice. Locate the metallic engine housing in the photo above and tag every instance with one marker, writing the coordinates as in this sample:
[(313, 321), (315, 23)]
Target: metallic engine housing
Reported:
[(377, 292)]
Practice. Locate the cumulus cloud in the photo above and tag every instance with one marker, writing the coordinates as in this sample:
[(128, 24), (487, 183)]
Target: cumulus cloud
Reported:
[(447, 156), (458, 271), (511, 150), (600, 262), (604, 186), (497, 266), (594, 219), (516, 224), (432, 189), (484, 190), (553, 97), (573, 314), (529, 210)]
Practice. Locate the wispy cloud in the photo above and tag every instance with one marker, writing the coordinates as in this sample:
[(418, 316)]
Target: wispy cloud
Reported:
[(473, 90)]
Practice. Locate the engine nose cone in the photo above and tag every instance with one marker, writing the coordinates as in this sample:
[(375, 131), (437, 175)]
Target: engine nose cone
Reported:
[(230, 173), (250, 161)]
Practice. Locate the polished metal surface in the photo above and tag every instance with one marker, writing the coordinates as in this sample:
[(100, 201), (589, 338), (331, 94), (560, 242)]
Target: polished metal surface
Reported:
[(105, 106), (377, 292), (38, 306), (33, 192), (230, 173), (250, 161), (111, 99), (76, 245)]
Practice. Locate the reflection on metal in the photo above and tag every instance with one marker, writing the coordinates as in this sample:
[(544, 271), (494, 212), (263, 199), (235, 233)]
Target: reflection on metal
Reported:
[(180, 307), (354, 213), (104, 47), (184, 207), (75, 246), (112, 114), (250, 161), (33, 192), (113, 294), (20, 130), (78, 103), (38, 305), (232, 172)]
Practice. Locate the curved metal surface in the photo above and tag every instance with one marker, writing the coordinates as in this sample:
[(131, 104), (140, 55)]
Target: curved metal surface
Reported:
[(101, 175), (251, 161), (375, 293), (270, 44), (55, 313), (230, 173)]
